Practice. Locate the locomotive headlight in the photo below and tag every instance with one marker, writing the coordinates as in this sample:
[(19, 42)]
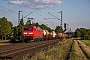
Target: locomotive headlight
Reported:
[(30, 33), (24, 33)]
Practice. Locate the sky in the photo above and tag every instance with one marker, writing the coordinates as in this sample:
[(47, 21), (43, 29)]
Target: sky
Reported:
[(75, 13)]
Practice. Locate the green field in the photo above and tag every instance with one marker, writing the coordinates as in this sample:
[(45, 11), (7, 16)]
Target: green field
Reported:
[(87, 42)]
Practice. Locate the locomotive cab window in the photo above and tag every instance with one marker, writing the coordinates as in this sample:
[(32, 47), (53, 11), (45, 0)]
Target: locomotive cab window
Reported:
[(27, 28), (30, 28)]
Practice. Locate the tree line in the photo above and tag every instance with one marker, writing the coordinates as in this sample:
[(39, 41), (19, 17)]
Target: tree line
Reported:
[(8, 31), (83, 33)]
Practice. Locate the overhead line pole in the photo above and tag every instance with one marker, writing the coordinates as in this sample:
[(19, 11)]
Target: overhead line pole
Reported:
[(61, 18), (19, 17)]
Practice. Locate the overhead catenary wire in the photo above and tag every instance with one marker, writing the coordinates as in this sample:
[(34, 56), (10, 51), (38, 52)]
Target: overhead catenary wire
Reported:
[(9, 9), (32, 10), (53, 16), (40, 14), (26, 6), (28, 14)]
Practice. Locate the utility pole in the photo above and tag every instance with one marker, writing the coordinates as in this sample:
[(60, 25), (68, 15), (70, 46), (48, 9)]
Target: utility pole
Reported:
[(19, 17), (61, 18), (18, 24)]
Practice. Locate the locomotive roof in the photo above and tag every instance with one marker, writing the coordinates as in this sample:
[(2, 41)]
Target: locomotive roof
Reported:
[(29, 26), (33, 27)]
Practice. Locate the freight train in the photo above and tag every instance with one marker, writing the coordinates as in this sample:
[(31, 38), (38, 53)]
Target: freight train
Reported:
[(35, 33)]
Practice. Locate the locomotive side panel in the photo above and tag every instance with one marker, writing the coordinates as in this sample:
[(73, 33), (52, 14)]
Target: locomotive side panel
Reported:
[(39, 34)]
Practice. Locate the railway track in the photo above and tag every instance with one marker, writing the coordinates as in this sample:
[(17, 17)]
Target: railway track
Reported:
[(15, 51)]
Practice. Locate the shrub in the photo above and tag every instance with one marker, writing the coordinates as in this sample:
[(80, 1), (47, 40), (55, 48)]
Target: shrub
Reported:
[(13, 40)]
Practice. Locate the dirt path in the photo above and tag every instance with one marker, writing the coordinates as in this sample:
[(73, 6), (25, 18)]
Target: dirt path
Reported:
[(85, 48), (77, 52)]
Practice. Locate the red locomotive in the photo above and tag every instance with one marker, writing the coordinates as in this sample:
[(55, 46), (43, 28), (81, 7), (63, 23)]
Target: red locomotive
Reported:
[(32, 33)]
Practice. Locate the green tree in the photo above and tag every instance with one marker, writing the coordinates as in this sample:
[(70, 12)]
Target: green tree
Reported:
[(83, 32), (77, 33), (22, 22), (87, 35), (58, 29), (15, 32), (28, 23), (44, 27), (5, 27), (20, 28)]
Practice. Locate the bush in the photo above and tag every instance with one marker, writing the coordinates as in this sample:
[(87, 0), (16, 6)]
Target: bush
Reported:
[(13, 40), (88, 37)]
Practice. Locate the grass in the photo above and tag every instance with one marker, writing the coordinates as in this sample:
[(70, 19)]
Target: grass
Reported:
[(87, 42), (4, 41), (76, 53), (57, 52), (86, 47), (73, 55)]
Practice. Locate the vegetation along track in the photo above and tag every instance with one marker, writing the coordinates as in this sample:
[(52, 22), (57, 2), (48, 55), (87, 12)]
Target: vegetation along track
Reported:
[(14, 52), (85, 49), (70, 49), (58, 52), (65, 50), (77, 52)]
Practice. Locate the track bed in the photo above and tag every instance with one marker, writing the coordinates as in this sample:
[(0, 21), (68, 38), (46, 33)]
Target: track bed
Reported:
[(15, 51)]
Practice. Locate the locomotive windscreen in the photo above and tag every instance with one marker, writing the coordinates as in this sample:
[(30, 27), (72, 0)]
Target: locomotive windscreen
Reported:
[(28, 28)]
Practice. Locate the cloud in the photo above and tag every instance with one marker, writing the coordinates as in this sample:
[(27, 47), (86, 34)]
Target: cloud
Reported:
[(15, 2), (6, 10), (48, 2), (36, 3)]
